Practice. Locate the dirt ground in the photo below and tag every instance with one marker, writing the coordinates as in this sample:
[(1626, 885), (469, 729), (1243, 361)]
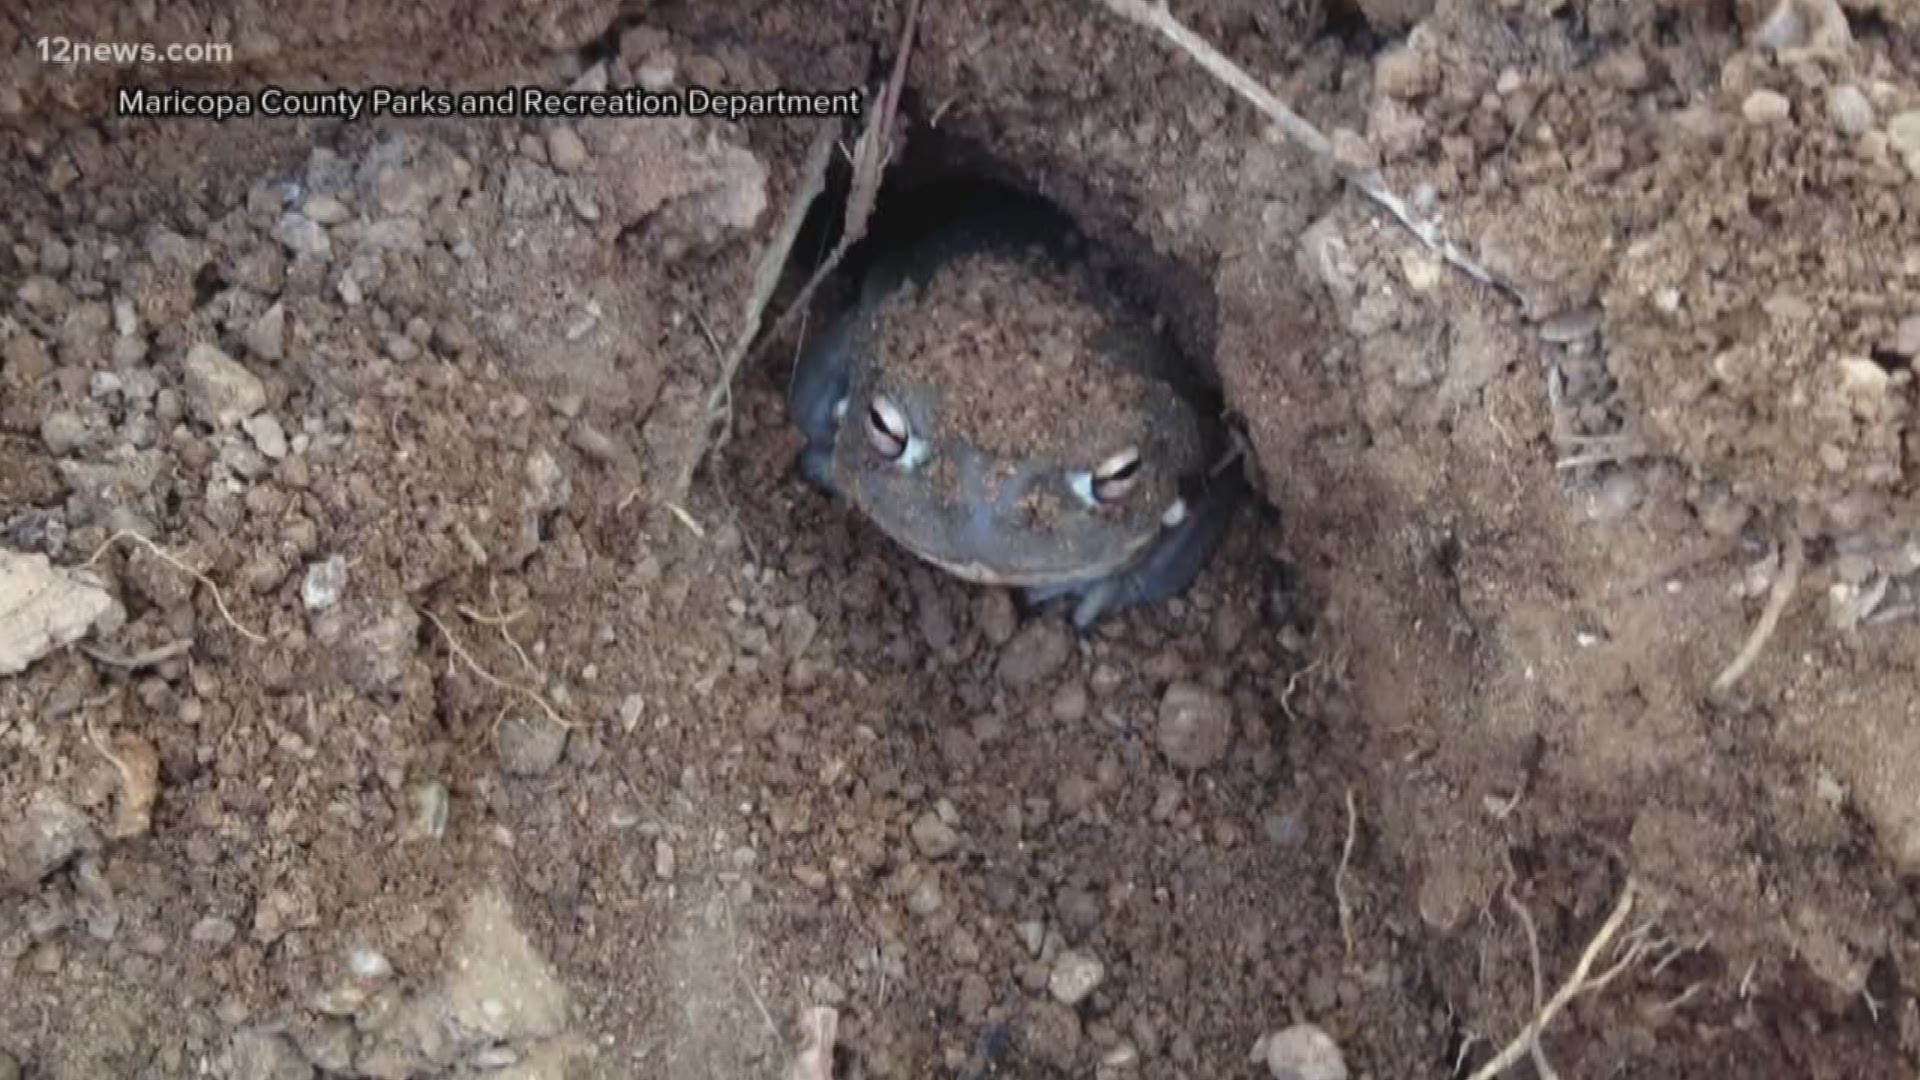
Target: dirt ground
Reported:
[(485, 734)]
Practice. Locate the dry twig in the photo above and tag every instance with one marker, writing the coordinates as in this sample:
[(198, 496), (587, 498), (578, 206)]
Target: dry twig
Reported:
[(766, 276), (146, 658), (164, 556), (871, 155), (1791, 564), (1154, 15)]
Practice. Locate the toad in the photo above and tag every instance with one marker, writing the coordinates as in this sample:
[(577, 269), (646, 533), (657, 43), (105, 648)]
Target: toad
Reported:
[(998, 411)]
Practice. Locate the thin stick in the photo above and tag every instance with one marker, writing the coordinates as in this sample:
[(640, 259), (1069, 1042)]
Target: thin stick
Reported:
[(766, 277), (1154, 15), (1340, 875), (871, 154), (159, 654), (491, 679), (1792, 563), (1575, 984), (161, 553)]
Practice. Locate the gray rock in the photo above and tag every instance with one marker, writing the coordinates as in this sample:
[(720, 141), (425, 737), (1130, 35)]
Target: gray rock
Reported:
[(1302, 1052), (267, 336), (256, 1054), (325, 584), (1075, 975), (44, 838), (935, 838), (63, 431), (213, 931), (303, 236), (1849, 109), (267, 435), (219, 390)]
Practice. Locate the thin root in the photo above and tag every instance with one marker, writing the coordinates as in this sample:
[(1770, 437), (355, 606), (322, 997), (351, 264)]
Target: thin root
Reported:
[(219, 600), (1778, 597), (501, 623), (1534, 1049), (1340, 875), (1576, 984), (1154, 15), (490, 678)]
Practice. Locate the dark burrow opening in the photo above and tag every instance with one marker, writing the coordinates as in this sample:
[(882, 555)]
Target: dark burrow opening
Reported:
[(935, 175)]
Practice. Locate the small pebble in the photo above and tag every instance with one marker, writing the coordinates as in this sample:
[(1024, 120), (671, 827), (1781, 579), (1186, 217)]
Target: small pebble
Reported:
[(664, 860), (220, 392), (326, 210), (326, 582), (934, 837), (1075, 975), (266, 335), (213, 931), (1570, 326), (656, 73), (1405, 72), (1302, 1052), (565, 149), (1032, 934), (303, 236), (47, 959), (367, 964), (47, 836), (63, 432), (1069, 704), (267, 435), (1903, 133), (1766, 107), (1849, 109), (1196, 724), (1906, 337)]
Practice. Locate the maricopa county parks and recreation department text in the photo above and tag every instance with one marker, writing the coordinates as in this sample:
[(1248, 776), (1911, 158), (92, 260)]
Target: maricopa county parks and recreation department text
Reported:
[(532, 102)]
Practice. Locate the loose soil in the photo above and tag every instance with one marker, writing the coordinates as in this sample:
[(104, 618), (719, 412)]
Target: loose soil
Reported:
[(484, 748)]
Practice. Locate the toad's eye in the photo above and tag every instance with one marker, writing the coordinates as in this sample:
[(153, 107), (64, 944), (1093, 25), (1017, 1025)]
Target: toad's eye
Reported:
[(887, 428), (1115, 477)]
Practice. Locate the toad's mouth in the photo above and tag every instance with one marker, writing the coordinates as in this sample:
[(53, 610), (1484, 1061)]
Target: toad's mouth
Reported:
[(971, 565)]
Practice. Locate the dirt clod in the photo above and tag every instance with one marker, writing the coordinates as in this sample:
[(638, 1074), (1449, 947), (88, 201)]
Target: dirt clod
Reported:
[(371, 641), (1195, 726), (47, 833), (1034, 654), (529, 745)]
